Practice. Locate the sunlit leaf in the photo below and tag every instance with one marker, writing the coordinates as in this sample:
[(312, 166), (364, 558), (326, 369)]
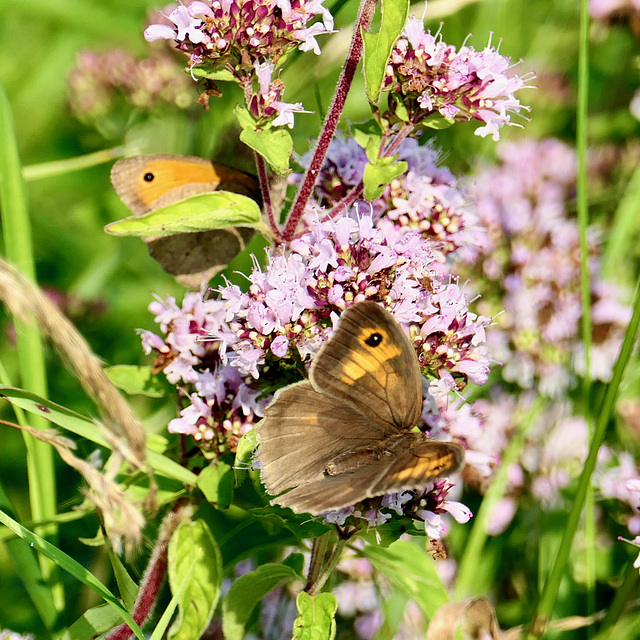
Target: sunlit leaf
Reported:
[(194, 554), (316, 617), (136, 380), (246, 592), (203, 212), (378, 46)]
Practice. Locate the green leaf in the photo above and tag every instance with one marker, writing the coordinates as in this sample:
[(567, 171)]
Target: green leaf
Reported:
[(192, 550), (92, 623), (299, 524), (378, 46), (399, 108), (136, 380), (316, 617), (203, 212), (274, 145), (160, 631), (82, 426), (246, 592), (378, 176), (244, 455), (412, 571), (71, 566), (127, 587), (28, 570), (437, 121), (216, 482), (214, 74), (367, 133)]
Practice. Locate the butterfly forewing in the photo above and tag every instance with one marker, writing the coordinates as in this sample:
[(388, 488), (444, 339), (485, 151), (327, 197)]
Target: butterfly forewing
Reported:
[(370, 364)]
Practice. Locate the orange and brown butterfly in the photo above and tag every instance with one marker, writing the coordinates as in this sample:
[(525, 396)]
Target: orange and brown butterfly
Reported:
[(347, 433), (149, 182)]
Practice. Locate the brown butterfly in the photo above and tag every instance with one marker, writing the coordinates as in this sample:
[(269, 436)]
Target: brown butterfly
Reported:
[(346, 434), (150, 182)]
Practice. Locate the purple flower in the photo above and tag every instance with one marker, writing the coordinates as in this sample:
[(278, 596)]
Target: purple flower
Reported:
[(432, 77), (531, 271)]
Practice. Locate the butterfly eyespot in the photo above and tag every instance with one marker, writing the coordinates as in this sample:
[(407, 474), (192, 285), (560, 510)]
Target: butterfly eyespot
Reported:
[(149, 177), (374, 340)]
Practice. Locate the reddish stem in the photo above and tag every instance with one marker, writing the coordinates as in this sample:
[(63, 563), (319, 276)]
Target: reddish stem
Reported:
[(365, 16), (266, 197)]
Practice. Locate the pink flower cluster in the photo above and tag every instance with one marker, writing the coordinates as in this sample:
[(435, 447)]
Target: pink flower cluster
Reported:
[(234, 34), (531, 269), (286, 312), (222, 407), (434, 78), (555, 447), (427, 198)]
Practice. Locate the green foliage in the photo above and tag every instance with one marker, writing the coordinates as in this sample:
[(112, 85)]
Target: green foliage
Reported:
[(316, 619), (275, 145), (194, 557), (411, 571), (137, 380), (218, 210), (247, 591), (377, 46)]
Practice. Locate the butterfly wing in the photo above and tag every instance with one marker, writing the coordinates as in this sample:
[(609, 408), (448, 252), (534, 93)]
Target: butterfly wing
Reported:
[(370, 365), (303, 431), (148, 182), (407, 465)]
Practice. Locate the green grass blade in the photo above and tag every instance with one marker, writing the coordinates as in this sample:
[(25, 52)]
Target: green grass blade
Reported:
[(71, 566), (16, 229), (86, 428), (585, 283), (28, 570), (550, 590)]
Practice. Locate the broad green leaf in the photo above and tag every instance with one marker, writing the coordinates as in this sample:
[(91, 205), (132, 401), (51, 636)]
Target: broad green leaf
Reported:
[(274, 145), (192, 550), (246, 592), (378, 46), (71, 566), (378, 176), (244, 455), (160, 631), (214, 74), (92, 623), (203, 212), (136, 380), (316, 617), (296, 562), (216, 482), (412, 571), (81, 426), (437, 121), (366, 133)]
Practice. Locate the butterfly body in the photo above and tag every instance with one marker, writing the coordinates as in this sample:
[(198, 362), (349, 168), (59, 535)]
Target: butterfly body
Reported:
[(347, 433), (149, 182)]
